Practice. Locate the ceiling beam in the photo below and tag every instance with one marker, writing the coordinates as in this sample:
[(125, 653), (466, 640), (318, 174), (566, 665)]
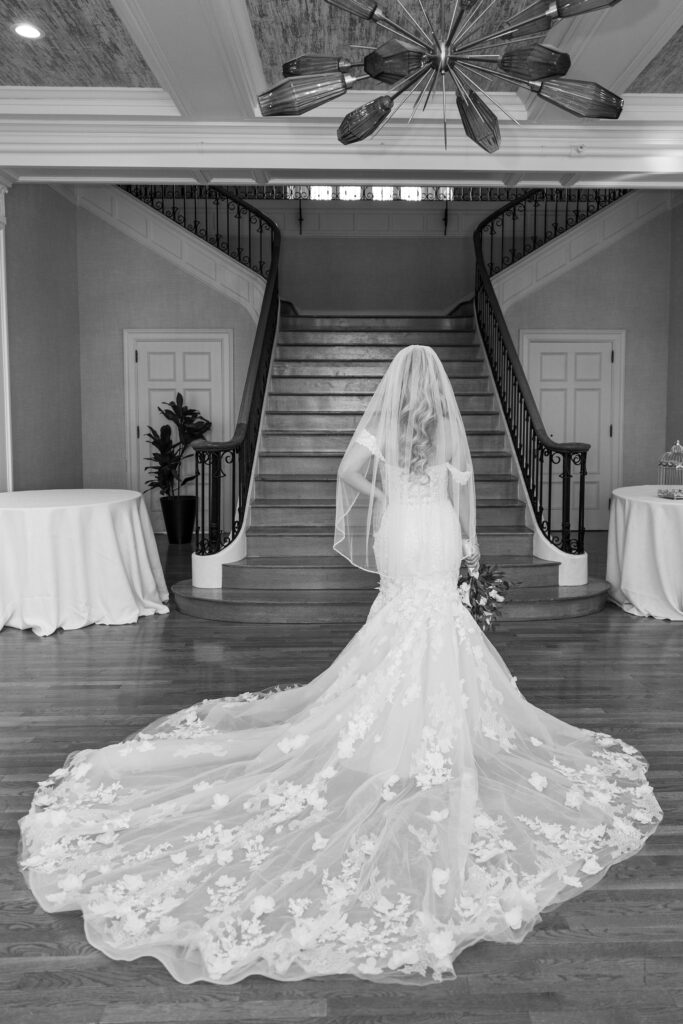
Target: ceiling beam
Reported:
[(203, 54)]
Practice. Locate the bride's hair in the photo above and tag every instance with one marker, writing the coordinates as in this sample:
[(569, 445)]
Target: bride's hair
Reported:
[(423, 419)]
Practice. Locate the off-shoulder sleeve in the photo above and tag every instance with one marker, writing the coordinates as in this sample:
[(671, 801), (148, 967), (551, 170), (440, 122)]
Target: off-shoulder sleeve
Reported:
[(369, 441), (459, 475)]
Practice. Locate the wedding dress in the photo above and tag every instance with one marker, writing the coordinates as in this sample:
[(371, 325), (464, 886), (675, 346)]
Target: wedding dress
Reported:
[(404, 805)]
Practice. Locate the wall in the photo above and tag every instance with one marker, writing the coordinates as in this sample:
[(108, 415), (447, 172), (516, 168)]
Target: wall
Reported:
[(375, 257), (376, 275), (42, 308), (123, 285), (623, 288), (674, 420)]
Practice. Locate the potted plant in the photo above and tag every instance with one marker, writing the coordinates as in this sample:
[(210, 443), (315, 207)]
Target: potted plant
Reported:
[(167, 470)]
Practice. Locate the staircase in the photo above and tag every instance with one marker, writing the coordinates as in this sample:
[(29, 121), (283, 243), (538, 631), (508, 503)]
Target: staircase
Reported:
[(324, 371)]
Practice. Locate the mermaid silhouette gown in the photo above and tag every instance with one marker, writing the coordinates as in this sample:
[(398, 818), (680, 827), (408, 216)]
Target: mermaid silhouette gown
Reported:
[(404, 805)]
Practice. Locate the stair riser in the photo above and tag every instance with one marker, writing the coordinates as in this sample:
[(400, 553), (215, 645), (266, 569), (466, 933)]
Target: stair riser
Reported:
[(301, 421), (355, 405), (307, 442), (265, 544), (270, 577), (311, 516), (375, 369), (356, 614), (352, 353), (331, 385), (441, 341), (389, 324), (303, 489), (288, 465)]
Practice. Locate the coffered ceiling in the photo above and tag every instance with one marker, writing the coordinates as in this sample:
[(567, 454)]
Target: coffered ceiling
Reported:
[(166, 90)]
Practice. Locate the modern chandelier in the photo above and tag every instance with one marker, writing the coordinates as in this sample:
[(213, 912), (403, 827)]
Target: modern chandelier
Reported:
[(453, 53)]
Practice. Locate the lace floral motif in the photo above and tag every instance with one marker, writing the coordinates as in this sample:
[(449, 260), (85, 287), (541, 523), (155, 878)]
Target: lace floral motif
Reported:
[(406, 803), (369, 441)]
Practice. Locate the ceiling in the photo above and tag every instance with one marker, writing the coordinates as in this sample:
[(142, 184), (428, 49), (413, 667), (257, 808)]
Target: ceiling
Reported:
[(166, 90)]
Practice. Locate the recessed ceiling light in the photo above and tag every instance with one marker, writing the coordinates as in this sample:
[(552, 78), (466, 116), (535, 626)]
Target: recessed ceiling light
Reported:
[(27, 31)]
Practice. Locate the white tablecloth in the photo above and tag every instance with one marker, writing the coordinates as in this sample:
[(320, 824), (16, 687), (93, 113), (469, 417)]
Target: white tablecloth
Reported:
[(74, 557), (645, 553)]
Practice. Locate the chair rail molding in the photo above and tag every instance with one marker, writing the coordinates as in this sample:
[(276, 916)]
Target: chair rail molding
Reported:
[(172, 242), (597, 233), (6, 475)]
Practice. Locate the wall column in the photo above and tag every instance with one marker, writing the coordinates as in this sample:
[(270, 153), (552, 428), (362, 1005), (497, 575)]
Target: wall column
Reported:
[(6, 476)]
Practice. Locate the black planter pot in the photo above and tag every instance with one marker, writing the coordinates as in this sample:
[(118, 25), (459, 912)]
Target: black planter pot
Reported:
[(179, 512)]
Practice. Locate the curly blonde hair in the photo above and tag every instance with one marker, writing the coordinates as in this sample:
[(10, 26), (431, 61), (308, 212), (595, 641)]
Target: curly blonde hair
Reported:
[(424, 421)]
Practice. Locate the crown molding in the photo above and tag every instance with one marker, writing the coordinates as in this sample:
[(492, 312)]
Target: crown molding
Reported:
[(31, 101), (628, 152)]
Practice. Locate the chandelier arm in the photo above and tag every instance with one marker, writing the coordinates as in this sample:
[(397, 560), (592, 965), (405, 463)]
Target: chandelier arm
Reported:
[(505, 35), (405, 83), (416, 104), (415, 22), (430, 23), (431, 87), (488, 95), (397, 106), (471, 22), (398, 30), (445, 122), (456, 18)]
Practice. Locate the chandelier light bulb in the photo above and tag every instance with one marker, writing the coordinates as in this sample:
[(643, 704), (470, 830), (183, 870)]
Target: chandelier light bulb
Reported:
[(297, 95), (314, 64), (461, 51), (365, 120), (392, 61), (533, 62)]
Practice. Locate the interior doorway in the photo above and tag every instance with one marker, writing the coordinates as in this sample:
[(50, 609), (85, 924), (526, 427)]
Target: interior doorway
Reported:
[(576, 378), (159, 364)]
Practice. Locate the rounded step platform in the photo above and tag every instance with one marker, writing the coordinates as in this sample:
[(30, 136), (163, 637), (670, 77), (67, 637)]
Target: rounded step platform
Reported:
[(351, 606)]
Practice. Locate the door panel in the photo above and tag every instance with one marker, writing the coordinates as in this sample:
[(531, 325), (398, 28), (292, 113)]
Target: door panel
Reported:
[(193, 365), (573, 387)]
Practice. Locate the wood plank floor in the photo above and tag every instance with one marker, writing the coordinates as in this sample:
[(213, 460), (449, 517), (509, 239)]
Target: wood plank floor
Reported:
[(610, 956)]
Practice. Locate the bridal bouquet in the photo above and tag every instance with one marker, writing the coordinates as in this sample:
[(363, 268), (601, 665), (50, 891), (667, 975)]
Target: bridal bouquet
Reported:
[(484, 594)]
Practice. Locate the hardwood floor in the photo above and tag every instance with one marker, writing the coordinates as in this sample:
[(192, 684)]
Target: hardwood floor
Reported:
[(611, 956)]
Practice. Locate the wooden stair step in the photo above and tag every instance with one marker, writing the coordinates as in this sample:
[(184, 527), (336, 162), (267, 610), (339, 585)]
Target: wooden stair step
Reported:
[(348, 403), (369, 351), (338, 420), (293, 462), (372, 368), (352, 607), (303, 485), (304, 572), (319, 512), (300, 383), (279, 439), (377, 323)]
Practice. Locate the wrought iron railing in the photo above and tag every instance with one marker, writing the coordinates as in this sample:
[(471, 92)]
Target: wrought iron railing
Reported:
[(514, 231), (218, 217), (224, 468)]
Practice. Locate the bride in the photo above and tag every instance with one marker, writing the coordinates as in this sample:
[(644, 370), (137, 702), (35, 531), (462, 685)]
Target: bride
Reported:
[(404, 805)]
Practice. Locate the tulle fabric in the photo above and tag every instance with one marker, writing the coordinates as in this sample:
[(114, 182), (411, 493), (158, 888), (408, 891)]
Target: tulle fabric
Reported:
[(411, 428), (405, 804)]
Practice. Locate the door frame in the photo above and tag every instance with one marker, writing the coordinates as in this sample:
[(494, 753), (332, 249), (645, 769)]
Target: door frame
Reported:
[(6, 466), (131, 338), (617, 339)]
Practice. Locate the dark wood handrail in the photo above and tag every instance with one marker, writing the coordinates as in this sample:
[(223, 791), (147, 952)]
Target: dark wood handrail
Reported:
[(537, 453), (518, 370)]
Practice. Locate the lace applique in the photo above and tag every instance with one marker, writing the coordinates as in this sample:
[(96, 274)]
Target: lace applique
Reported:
[(369, 441)]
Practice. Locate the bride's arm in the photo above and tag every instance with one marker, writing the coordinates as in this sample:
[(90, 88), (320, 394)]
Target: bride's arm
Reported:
[(352, 472)]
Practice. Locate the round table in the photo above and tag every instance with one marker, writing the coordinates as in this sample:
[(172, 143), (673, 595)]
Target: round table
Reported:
[(69, 558), (645, 553)]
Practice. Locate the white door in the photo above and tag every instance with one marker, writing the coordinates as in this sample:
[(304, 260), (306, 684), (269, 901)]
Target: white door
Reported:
[(575, 381), (159, 365)]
